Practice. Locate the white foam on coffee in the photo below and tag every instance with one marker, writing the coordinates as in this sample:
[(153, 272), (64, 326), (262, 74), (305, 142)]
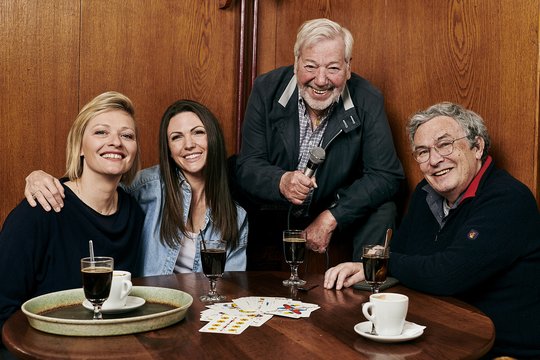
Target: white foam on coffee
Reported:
[(375, 250)]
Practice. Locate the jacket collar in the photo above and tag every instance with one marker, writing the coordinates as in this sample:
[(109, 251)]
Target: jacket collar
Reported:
[(475, 183), (345, 114), (288, 92)]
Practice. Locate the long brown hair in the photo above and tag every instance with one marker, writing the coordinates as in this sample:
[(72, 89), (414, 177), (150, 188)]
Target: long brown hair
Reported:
[(216, 188)]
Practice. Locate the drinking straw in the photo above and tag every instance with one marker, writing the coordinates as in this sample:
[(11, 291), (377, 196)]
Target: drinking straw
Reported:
[(202, 240), (91, 248), (387, 238)]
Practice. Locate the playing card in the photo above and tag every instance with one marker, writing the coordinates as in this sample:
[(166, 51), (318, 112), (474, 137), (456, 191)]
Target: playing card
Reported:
[(233, 317), (210, 314), (227, 324), (260, 319), (294, 309), (248, 303), (272, 303), (231, 309), (257, 303)]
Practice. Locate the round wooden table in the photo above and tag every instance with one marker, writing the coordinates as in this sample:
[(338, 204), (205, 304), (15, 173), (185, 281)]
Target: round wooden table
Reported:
[(454, 330)]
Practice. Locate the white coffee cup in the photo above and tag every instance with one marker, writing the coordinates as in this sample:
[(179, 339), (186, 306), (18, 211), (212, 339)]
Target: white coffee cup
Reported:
[(120, 289), (387, 311)]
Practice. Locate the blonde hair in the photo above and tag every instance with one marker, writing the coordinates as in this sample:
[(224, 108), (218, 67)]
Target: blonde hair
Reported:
[(102, 103)]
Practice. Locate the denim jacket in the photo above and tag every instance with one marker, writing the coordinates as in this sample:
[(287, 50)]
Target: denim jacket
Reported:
[(159, 258)]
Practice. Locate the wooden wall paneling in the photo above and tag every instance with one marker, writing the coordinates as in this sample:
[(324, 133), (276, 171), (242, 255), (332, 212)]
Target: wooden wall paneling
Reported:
[(431, 61), (519, 133), (38, 82), (157, 52), (279, 22), (246, 60), (223, 4), (268, 37), (481, 54), (468, 52), (367, 20)]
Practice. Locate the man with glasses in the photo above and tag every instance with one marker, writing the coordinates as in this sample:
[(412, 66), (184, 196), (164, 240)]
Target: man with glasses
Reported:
[(318, 102), (472, 230)]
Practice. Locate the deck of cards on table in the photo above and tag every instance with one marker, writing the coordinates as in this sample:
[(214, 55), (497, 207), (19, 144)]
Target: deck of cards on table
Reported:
[(234, 317)]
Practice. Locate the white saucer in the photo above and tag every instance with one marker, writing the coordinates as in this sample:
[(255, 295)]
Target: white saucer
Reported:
[(410, 331), (132, 303)]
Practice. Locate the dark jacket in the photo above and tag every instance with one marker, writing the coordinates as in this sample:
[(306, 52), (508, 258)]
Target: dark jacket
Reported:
[(487, 254), (361, 170)]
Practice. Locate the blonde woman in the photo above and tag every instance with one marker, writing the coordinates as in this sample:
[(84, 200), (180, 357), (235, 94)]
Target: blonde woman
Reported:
[(186, 197), (41, 250)]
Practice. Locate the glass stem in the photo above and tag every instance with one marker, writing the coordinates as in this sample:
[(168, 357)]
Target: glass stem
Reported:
[(212, 291), (97, 312), (294, 272)]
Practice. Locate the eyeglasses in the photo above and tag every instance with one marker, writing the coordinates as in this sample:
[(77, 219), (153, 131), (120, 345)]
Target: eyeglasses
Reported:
[(443, 147)]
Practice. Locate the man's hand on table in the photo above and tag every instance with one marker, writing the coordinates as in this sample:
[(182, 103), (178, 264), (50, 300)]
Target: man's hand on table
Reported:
[(343, 275)]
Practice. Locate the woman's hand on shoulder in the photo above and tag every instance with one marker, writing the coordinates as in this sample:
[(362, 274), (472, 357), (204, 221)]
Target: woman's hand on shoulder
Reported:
[(343, 275), (45, 189)]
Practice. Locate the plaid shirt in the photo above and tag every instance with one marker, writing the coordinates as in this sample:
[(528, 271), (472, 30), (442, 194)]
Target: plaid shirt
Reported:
[(309, 137)]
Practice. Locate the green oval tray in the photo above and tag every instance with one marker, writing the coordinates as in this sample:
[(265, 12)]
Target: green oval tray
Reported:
[(62, 313)]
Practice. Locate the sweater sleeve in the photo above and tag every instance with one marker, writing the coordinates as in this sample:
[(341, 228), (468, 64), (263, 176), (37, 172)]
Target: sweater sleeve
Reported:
[(236, 258), (379, 174), (256, 175), (22, 243), (493, 232)]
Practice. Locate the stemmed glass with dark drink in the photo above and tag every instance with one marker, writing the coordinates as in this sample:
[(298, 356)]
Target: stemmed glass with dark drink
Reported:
[(97, 278), (294, 248), (213, 255), (375, 261)]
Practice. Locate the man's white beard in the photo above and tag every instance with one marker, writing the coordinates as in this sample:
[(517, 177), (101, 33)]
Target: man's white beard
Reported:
[(318, 105)]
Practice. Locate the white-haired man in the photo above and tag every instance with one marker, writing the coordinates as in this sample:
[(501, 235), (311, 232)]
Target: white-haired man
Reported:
[(471, 231), (318, 102)]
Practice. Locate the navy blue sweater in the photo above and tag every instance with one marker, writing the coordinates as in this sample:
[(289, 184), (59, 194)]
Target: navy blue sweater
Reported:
[(487, 254), (40, 251)]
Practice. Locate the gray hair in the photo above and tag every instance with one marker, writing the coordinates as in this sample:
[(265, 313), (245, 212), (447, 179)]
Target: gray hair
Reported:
[(314, 30), (470, 122)]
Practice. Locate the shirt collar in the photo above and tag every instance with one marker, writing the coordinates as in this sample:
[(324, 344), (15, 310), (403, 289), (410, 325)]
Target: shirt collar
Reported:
[(436, 202), (471, 189), (473, 186)]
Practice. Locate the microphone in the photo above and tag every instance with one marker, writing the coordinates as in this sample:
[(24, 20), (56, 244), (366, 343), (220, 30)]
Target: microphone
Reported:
[(316, 157)]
